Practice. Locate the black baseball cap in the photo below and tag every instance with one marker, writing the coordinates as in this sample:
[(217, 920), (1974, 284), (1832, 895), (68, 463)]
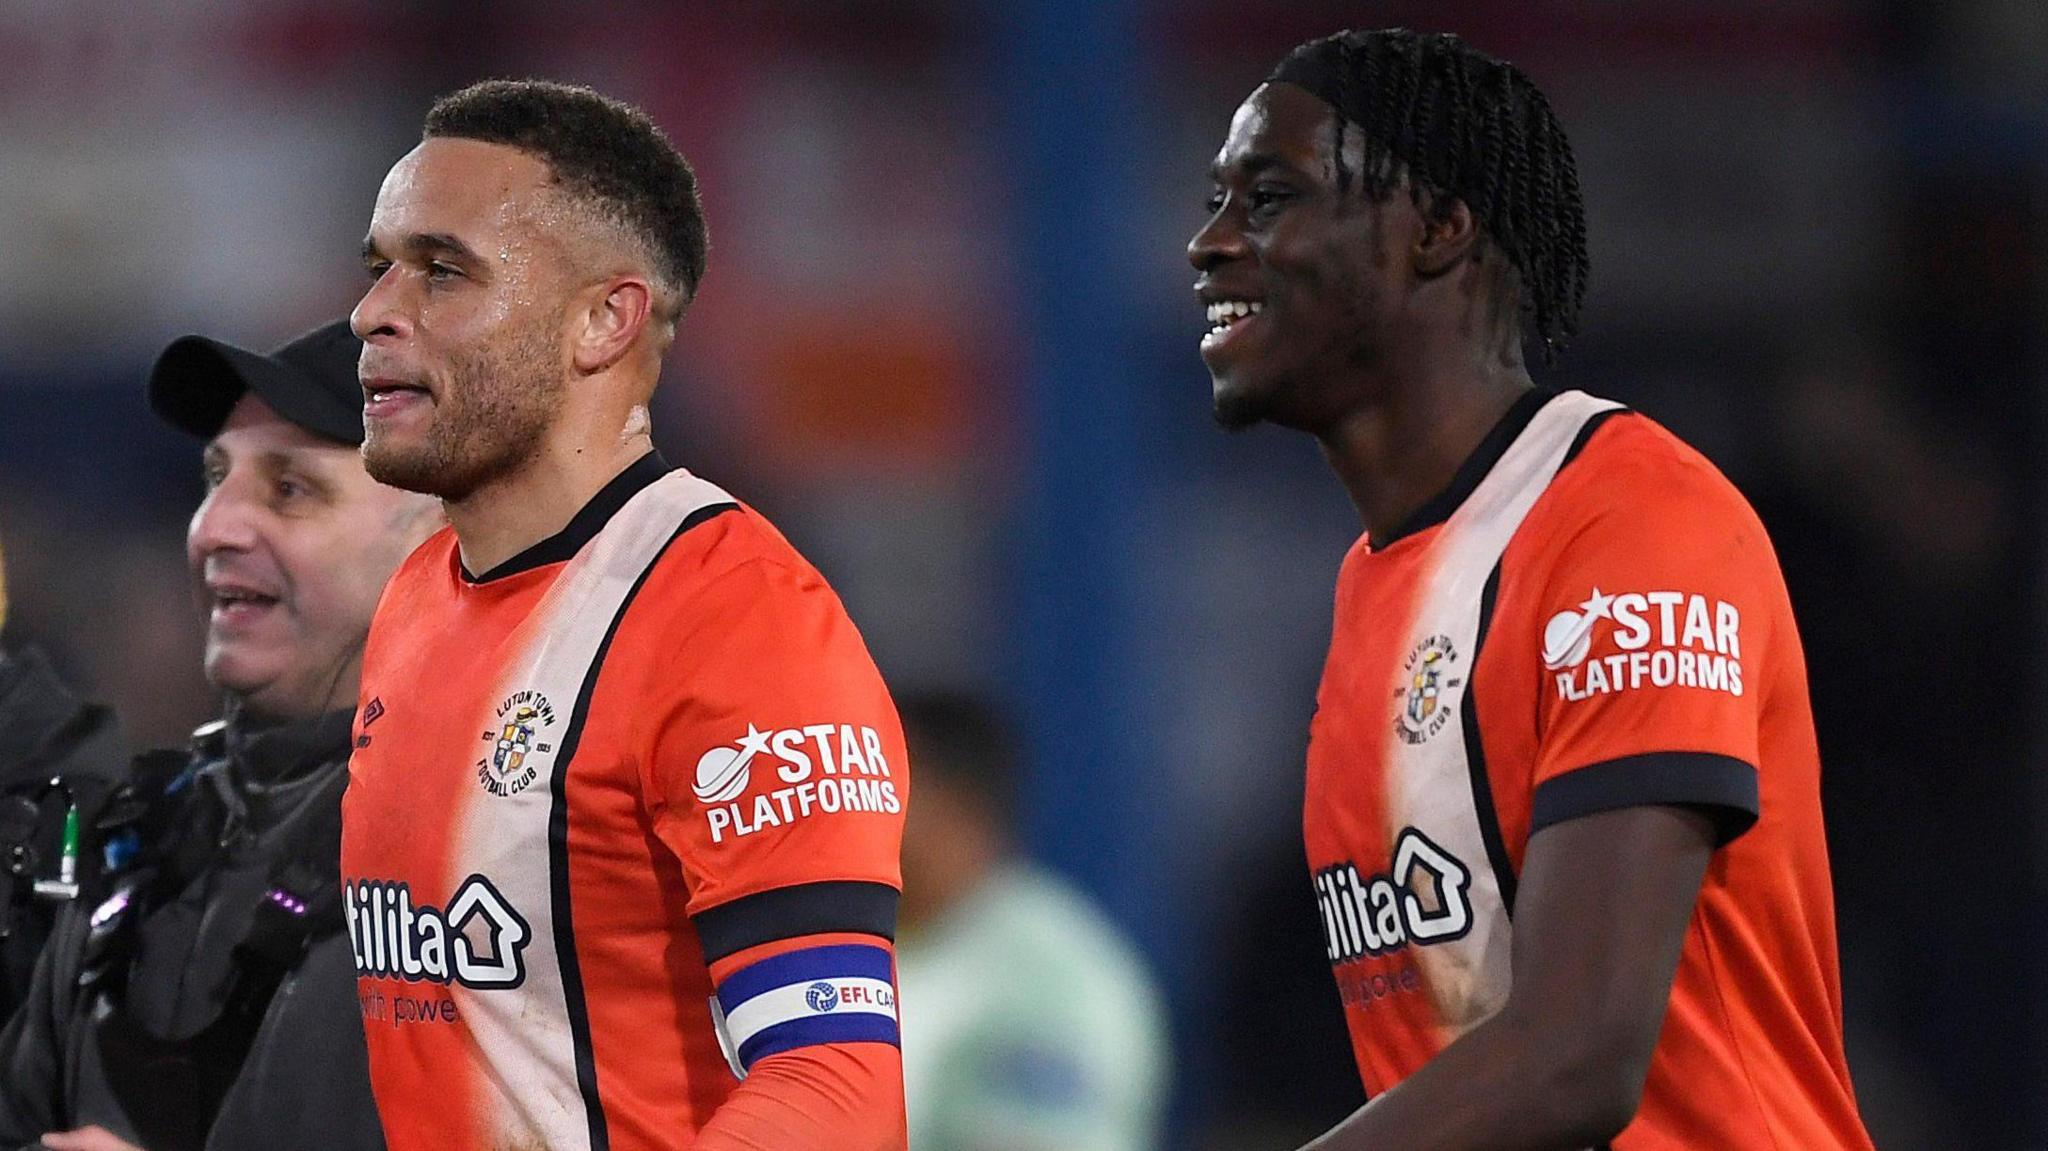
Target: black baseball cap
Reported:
[(310, 381)]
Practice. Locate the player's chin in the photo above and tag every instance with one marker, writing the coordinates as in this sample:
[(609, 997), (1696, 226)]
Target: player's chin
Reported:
[(403, 462), (1237, 404)]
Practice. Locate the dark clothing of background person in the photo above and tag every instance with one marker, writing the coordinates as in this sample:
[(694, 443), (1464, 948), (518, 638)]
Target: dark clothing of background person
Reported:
[(46, 733), (205, 997)]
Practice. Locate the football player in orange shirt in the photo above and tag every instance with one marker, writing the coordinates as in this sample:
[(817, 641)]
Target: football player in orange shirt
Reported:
[(1563, 805), (620, 843)]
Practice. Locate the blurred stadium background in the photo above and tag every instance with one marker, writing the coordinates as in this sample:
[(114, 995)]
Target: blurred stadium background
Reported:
[(947, 341)]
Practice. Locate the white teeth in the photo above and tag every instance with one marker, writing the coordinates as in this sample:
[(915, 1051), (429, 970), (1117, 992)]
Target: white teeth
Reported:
[(1224, 313)]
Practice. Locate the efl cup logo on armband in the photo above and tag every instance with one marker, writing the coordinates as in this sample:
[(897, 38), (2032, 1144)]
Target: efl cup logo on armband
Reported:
[(517, 748), (1429, 682), (822, 996)]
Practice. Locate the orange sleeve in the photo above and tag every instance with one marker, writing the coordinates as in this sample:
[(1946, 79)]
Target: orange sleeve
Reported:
[(822, 1098), (779, 778), (810, 1026), (1655, 622), (780, 762)]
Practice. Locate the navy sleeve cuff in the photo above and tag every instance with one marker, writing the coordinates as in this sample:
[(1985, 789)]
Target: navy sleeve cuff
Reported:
[(1719, 786), (805, 909)]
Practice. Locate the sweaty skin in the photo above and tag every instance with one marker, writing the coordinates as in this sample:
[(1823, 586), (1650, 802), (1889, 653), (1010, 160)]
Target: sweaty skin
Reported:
[(504, 366)]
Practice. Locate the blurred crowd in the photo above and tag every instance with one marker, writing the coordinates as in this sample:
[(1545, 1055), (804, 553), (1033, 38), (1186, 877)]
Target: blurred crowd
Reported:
[(1819, 236)]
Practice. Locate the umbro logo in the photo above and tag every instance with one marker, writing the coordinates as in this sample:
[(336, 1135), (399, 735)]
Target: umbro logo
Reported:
[(370, 715)]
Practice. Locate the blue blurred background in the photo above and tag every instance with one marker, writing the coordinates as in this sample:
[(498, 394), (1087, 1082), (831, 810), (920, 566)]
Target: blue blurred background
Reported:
[(947, 341)]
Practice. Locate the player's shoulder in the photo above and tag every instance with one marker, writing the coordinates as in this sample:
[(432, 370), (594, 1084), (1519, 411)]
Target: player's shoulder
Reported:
[(432, 556), (1637, 507), (417, 589), (421, 572), (729, 550), (1630, 473), (734, 538)]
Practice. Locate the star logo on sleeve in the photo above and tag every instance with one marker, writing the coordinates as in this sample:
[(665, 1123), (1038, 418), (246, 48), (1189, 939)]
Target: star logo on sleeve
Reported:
[(723, 772), (1569, 634)]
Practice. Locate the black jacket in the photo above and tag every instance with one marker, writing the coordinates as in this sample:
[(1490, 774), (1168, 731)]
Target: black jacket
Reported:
[(204, 998), (46, 733)]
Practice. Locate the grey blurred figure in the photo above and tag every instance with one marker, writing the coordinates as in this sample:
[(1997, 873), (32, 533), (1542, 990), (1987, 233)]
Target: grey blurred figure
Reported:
[(1029, 1022)]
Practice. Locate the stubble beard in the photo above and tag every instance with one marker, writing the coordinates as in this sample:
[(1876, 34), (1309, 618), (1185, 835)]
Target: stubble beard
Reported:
[(486, 424)]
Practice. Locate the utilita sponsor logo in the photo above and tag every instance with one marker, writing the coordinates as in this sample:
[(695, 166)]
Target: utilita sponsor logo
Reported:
[(825, 767), (479, 941), (1665, 639), (1420, 899)]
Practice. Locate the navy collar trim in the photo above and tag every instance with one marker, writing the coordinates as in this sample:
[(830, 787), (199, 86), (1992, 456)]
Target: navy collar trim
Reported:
[(584, 525), (1441, 506)]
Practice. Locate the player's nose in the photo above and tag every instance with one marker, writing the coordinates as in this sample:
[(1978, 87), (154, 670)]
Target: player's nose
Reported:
[(380, 316), (1219, 241)]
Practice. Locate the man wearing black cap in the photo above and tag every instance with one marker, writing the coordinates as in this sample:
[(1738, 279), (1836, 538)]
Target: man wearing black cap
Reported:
[(202, 996)]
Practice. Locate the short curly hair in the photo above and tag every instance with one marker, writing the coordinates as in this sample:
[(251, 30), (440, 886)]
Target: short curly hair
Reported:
[(602, 151)]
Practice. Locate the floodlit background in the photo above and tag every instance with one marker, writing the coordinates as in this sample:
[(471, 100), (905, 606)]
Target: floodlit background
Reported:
[(947, 341)]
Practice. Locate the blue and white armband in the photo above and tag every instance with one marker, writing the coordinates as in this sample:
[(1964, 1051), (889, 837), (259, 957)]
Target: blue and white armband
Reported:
[(839, 993)]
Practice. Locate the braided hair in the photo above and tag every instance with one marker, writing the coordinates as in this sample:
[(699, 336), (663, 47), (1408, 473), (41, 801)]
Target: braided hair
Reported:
[(1455, 123)]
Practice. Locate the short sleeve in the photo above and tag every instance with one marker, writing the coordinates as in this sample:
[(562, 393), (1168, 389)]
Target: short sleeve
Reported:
[(1654, 626), (779, 777)]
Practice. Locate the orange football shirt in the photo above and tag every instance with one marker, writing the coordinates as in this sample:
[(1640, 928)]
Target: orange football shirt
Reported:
[(650, 749), (1589, 618)]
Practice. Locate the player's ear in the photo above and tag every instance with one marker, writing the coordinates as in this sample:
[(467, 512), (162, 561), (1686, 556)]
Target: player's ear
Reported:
[(1449, 231), (619, 309)]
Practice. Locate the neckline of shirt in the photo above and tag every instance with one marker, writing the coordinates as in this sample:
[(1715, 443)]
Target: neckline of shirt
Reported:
[(1496, 443), (583, 526)]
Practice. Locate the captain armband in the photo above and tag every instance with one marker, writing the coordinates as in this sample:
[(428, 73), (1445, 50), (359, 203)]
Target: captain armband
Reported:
[(840, 993)]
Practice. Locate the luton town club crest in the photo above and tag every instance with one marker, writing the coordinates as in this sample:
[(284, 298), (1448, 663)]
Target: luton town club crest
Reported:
[(517, 747), (1422, 700)]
